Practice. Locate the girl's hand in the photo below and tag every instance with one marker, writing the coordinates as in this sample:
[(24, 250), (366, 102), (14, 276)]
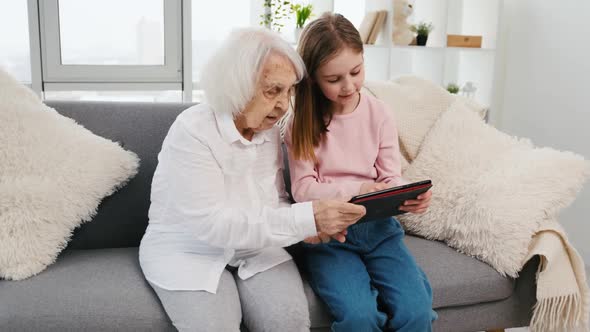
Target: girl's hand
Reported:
[(369, 187), (419, 205)]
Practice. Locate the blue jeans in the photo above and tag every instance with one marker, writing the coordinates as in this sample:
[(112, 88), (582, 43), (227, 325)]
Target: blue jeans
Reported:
[(371, 282)]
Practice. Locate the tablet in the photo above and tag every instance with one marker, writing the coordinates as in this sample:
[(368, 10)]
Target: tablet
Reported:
[(385, 203)]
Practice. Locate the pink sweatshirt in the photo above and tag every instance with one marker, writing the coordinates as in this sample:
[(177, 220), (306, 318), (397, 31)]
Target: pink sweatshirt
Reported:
[(359, 147)]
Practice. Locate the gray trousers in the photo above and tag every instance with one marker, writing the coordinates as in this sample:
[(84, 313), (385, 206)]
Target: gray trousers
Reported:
[(272, 300)]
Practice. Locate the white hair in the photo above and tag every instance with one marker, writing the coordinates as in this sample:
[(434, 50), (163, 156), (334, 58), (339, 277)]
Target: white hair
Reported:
[(229, 77)]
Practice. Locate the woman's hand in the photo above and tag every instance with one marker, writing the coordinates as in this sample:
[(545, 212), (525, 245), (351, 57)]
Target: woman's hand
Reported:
[(419, 205), (332, 217), (369, 187), (325, 238)]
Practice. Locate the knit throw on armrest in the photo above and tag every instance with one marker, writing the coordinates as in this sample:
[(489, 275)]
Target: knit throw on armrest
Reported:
[(562, 291)]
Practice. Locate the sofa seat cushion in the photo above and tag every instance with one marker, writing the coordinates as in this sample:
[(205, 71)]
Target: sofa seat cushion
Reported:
[(85, 290), (104, 290), (456, 279)]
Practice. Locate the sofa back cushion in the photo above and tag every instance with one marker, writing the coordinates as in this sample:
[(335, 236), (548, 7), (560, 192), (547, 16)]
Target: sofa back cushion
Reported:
[(139, 127)]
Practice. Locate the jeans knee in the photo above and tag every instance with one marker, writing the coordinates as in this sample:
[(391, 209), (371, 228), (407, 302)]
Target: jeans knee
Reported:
[(418, 317), (360, 320)]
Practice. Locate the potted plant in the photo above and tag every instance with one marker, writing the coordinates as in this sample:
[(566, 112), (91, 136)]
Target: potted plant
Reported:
[(422, 30), (302, 13), (453, 88)]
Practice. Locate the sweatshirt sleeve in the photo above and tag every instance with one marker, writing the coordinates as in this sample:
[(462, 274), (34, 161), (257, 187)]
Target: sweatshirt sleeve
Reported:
[(388, 162)]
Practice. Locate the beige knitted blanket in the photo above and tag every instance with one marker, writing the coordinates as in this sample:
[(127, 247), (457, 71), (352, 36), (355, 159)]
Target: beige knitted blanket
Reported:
[(562, 290)]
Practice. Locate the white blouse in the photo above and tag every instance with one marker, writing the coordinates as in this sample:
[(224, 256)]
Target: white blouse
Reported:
[(218, 199)]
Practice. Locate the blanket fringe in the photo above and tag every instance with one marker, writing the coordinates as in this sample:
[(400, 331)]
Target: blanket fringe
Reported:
[(562, 313)]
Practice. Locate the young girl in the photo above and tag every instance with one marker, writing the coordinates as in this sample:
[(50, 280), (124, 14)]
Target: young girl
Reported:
[(343, 143)]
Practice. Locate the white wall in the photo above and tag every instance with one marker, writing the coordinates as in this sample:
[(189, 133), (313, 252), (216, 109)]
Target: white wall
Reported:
[(544, 87)]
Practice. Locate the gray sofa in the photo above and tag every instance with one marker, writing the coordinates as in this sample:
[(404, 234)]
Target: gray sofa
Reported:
[(97, 285)]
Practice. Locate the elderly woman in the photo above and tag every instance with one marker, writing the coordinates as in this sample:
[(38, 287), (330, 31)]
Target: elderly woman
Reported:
[(219, 216)]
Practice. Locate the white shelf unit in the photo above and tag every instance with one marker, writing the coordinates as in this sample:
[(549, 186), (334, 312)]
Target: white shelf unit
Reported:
[(435, 61)]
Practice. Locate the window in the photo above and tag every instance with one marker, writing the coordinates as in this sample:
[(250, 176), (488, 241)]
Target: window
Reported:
[(14, 44), (212, 25), (132, 34), (111, 41)]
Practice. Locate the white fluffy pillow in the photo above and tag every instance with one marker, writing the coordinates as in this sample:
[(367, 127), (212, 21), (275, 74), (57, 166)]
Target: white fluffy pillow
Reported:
[(491, 191), (53, 175), (417, 104)]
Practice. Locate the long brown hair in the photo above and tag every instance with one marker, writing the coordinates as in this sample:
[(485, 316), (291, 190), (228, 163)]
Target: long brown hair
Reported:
[(320, 41)]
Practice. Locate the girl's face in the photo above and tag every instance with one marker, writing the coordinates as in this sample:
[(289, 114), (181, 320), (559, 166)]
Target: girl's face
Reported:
[(342, 77)]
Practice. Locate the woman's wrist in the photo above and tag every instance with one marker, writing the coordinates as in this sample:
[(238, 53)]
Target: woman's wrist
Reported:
[(316, 207)]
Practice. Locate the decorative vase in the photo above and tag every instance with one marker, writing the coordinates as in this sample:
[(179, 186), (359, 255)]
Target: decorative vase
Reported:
[(421, 40), (297, 33)]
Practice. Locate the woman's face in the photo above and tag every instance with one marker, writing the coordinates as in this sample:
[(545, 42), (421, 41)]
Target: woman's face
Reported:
[(271, 100), (342, 77)]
